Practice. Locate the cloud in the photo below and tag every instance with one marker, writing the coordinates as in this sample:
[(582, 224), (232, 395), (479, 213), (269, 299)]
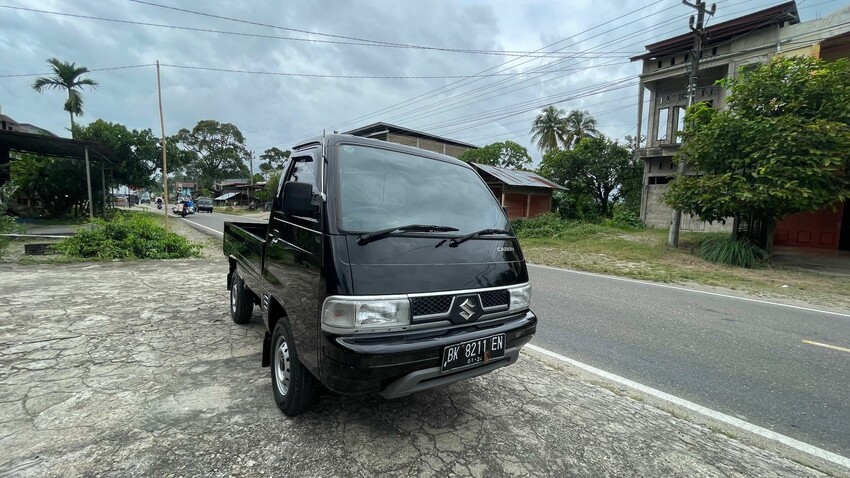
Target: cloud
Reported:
[(276, 111)]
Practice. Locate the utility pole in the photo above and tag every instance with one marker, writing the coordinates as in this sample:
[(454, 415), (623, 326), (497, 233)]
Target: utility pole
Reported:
[(251, 176), (699, 36), (162, 127)]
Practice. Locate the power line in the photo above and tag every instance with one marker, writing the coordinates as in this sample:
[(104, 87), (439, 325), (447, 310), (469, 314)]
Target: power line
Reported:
[(275, 37), (451, 86), (319, 75), (419, 114), (461, 129), (343, 37), (89, 70), (303, 75)]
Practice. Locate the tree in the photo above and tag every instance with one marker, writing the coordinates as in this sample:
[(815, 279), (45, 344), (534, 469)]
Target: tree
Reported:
[(274, 159), (139, 152), (59, 183), (270, 189), (549, 129), (595, 168), (579, 125), (506, 154), (219, 151), (781, 147), (66, 76), (632, 178)]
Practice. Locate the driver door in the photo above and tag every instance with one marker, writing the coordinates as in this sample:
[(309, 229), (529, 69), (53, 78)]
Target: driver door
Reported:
[(294, 260)]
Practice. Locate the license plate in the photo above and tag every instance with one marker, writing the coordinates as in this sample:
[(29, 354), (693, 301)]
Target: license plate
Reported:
[(474, 352)]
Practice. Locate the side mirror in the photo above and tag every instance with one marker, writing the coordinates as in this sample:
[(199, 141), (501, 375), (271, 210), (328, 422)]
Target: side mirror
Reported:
[(297, 199)]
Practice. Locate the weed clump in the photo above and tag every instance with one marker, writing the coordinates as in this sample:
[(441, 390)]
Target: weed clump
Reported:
[(732, 252), (128, 237)]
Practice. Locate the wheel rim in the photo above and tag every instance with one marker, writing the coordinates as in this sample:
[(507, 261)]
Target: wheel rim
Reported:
[(282, 366), (233, 297)]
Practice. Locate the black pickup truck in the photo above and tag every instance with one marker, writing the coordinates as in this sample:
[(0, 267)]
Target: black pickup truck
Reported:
[(383, 269)]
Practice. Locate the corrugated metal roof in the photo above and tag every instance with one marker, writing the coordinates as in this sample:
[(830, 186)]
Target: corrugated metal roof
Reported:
[(225, 197), (514, 177), (375, 127)]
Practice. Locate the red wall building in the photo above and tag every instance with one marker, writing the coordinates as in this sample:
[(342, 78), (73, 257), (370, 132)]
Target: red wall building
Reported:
[(522, 193)]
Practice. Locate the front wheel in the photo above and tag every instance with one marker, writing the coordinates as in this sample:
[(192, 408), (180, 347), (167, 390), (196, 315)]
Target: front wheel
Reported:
[(241, 302), (294, 387)]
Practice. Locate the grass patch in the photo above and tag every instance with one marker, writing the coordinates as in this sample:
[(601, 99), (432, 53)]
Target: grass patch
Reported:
[(238, 211), (128, 236), (643, 254)]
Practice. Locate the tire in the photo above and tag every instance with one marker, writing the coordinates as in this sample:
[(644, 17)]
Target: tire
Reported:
[(295, 388), (241, 302)]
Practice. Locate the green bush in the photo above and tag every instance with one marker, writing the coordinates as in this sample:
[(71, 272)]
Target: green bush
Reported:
[(7, 223), (551, 226), (627, 218), (740, 252), (127, 237)]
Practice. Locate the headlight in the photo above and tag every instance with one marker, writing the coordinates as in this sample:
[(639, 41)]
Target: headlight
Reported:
[(366, 313), (520, 297)]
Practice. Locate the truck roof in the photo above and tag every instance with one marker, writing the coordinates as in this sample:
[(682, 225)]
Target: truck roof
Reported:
[(333, 139)]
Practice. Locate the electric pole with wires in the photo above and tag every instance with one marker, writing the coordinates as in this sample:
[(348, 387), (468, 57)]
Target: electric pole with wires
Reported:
[(699, 37)]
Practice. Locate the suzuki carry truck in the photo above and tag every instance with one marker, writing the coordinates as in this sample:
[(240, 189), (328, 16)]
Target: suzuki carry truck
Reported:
[(383, 269)]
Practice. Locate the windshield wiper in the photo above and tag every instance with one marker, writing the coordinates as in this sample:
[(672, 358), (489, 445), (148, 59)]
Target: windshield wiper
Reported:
[(460, 240), (375, 235)]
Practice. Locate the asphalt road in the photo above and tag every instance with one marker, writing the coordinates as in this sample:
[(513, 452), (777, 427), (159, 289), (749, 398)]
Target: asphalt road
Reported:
[(744, 359), (211, 223)]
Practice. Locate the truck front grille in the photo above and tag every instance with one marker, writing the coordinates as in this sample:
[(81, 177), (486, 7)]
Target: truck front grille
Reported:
[(495, 298), (435, 306), (430, 305)]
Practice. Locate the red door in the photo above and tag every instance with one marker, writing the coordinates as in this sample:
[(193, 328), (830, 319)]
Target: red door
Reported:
[(821, 229)]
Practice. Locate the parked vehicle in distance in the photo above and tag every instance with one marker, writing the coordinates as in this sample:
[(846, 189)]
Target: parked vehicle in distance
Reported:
[(204, 204), (383, 269)]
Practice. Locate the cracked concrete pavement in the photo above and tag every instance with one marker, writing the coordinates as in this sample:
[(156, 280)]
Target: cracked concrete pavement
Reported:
[(106, 370)]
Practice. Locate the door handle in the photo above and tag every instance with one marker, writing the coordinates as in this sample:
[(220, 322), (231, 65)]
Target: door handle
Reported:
[(275, 240)]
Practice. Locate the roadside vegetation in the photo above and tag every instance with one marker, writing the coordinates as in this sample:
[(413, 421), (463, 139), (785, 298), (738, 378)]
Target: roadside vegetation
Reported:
[(127, 236), (609, 247)]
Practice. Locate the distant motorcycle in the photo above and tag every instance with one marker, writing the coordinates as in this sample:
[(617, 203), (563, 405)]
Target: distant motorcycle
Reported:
[(183, 209)]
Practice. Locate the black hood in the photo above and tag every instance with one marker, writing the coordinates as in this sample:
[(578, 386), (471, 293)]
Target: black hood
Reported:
[(411, 264)]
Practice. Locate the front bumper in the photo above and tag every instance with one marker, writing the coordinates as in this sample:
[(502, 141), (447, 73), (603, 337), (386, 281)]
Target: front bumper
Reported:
[(399, 364)]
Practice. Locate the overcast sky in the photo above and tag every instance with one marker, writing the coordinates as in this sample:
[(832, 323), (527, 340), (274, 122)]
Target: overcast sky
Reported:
[(279, 110)]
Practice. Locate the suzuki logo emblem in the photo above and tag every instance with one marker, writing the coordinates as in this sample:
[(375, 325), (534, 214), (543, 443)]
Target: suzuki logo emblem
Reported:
[(467, 309)]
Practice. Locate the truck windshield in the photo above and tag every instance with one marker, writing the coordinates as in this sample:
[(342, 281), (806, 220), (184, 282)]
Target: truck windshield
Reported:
[(380, 189)]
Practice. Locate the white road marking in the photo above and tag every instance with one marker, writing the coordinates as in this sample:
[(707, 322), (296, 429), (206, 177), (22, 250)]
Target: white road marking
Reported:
[(715, 415), (205, 227), (834, 347), (697, 291)]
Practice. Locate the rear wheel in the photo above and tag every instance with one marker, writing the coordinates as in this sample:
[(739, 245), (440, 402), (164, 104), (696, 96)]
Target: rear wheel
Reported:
[(294, 387), (241, 302)]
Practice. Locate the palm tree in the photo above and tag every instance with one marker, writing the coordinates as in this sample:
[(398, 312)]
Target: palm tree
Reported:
[(549, 129), (66, 76), (579, 124)]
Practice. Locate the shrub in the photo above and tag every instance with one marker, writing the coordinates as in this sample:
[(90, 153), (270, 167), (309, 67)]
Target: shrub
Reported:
[(550, 225), (626, 218), (7, 223), (128, 236), (740, 252)]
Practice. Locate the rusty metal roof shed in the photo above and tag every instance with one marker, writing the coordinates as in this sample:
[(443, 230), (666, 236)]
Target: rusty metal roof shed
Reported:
[(55, 146), (725, 31), (515, 177)]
